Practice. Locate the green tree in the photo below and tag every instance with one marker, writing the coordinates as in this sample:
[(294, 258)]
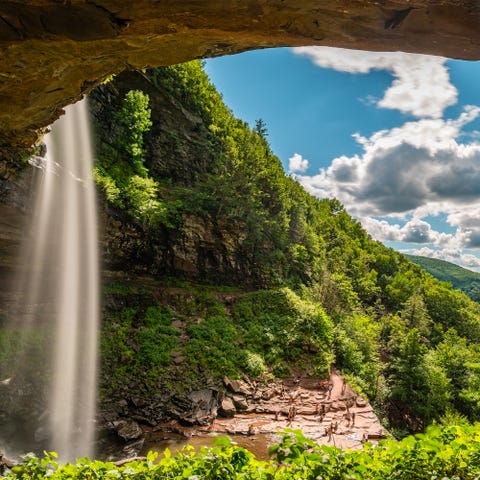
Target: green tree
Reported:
[(261, 128), (419, 388), (133, 120), (415, 314)]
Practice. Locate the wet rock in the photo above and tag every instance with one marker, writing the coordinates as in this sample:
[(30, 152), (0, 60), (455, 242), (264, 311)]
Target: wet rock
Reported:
[(238, 386), (6, 463), (144, 420), (202, 409), (240, 402), (128, 429), (227, 408), (201, 398), (133, 449)]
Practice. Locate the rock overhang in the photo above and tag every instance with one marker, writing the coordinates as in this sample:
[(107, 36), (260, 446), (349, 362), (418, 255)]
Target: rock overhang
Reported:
[(54, 51)]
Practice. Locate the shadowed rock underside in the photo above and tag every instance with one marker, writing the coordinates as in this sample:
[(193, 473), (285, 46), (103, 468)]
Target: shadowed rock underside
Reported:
[(53, 51)]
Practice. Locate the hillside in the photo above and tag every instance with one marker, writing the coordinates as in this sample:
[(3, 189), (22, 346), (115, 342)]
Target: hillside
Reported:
[(460, 278), (195, 201)]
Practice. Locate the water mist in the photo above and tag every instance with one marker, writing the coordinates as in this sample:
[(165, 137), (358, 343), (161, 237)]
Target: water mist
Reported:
[(57, 304)]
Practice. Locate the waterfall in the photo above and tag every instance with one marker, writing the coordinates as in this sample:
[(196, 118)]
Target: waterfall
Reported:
[(73, 392), (57, 309)]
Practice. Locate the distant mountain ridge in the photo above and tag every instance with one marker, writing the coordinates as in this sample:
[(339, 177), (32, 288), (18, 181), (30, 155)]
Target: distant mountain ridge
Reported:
[(460, 278)]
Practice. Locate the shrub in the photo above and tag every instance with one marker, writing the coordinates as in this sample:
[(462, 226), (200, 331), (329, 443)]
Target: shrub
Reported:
[(253, 364)]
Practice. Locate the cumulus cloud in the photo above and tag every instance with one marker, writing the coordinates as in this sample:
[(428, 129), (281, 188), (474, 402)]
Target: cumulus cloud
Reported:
[(414, 170), (297, 163), (415, 230), (421, 84), (407, 174), (469, 238)]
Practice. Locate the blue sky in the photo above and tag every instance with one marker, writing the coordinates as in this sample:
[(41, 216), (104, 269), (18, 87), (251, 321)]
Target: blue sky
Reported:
[(394, 136)]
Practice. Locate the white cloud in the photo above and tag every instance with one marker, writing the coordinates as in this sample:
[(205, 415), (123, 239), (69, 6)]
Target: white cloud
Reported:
[(420, 169), (411, 171), (297, 163), (421, 84), (415, 230)]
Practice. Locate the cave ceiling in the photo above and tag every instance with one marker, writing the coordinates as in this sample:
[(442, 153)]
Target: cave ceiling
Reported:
[(54, 51)]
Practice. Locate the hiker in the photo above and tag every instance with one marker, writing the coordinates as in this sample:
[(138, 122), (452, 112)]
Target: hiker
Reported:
[(330, 432), (348, 417), (291, 414)]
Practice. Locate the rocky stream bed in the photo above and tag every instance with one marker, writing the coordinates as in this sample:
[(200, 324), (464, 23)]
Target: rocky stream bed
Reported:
[(326, 410)]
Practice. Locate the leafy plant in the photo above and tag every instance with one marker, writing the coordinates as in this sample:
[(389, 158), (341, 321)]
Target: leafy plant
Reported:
[(441, 453)]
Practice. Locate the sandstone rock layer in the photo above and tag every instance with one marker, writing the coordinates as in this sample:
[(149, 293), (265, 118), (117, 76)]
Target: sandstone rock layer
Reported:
[(53, 51)]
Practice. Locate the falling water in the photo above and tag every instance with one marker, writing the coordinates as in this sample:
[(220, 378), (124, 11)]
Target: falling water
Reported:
[(58, 304), (73, 393)]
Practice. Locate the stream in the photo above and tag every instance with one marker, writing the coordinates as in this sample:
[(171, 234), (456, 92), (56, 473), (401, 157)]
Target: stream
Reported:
[(257, 444)]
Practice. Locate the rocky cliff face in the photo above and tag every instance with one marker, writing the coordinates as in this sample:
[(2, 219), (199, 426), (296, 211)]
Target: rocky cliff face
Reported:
[(52, 52), (200, 250), (178, 148)]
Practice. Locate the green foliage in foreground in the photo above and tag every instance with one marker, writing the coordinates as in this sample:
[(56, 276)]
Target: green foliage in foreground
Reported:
[(441, 453)]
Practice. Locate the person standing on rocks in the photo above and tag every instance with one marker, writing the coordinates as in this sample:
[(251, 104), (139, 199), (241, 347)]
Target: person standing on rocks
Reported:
[(292, 411), (330, 432), (330, 388)]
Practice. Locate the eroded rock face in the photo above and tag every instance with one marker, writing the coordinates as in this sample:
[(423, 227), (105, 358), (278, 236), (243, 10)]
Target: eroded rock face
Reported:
[(52, 51)]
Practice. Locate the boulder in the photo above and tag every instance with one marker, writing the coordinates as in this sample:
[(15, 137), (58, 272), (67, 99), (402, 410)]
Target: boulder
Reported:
[(128, 429), (240, 402), (238, 386), (133, 449), (202, 409), (6, 463), (227, 408)]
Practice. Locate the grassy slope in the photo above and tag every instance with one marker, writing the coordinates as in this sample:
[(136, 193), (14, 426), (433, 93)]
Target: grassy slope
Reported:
[(460, 278)]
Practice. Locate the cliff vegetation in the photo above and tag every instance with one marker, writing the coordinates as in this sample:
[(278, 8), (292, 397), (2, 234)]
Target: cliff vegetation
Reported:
[(268, 279)]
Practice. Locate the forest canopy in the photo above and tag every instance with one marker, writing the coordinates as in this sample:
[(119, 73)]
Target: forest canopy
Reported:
[(404, 339)]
